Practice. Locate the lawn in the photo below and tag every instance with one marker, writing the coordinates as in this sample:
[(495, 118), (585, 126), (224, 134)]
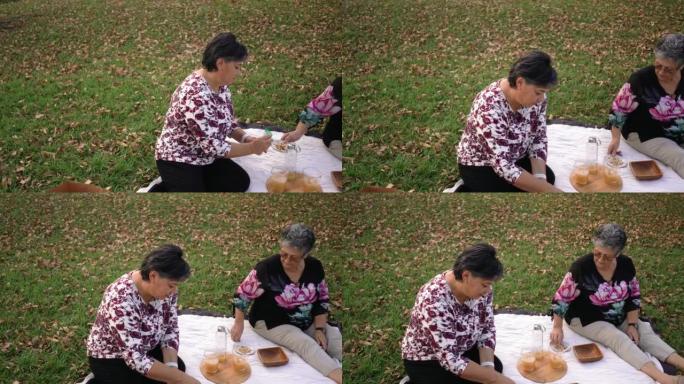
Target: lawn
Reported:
[(85, 85), (58, 253), (421, 63)]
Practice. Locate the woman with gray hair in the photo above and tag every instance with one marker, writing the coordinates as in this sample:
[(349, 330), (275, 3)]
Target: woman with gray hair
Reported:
[(289, 303), (649, 109), (600, 299)]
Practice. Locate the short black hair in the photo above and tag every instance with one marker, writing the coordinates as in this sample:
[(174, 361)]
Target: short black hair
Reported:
[(167, 260), (223, 46), (535, 67), (480, 259)]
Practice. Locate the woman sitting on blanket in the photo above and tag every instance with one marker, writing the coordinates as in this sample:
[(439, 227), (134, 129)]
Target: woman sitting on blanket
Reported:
[(193, 152), (503, 146), (649, 109), (451, 335), (289, 303), (135, 335), (328, 103), (600, 299)]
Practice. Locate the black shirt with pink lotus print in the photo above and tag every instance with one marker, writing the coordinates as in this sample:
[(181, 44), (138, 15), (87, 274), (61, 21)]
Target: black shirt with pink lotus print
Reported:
[(643, 106), (443, 329), (586, 295), (496, 136), (275, 299), (128, 328), (198, 123)]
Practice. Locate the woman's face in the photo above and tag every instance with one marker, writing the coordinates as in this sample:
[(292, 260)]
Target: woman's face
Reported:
[(476, 287), (604, 256), (666, 69), (528, 94), (229, 70), (161, 287), (290, 256)]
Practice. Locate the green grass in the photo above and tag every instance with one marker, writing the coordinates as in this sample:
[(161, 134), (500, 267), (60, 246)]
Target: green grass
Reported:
[(84, 85), (59, 252), (420, 64)]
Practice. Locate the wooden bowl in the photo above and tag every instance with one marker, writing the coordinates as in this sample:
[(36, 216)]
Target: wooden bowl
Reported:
[(645, 170), (587, 353), (272, 357)]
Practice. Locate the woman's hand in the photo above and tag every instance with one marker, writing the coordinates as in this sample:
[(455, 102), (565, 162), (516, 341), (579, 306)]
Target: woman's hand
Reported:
[(236, 331), (557, 335), (633, 333), (296, 134), (613, 146), (260, 144), (321, 339)]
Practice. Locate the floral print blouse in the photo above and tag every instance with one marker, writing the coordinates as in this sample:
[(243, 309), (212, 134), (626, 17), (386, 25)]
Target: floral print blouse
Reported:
[(643, 106), (326, 104), (127, 328), (274, 298), (496, 136), (443, 329), (198, 123), (586, 295)]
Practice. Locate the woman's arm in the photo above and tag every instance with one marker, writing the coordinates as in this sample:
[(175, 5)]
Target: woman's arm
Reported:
[(480, 374), (529, 183), (254, 147), (614, 144), (170, 375)]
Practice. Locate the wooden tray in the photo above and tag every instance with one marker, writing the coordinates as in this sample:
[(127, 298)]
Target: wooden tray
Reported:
[(234, 370), (543, 371), (645, 170), (596, 182), (295, 182), (272, 357), (587, 353)]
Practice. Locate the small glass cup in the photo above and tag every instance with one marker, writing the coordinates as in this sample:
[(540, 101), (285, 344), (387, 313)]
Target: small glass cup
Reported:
[(277, 182), (581, 171), (312, 180), (212, 360), (611, 176)]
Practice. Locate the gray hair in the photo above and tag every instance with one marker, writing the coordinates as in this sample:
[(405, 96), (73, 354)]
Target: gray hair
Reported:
[(671, 46), (298, 236), (610, 235)]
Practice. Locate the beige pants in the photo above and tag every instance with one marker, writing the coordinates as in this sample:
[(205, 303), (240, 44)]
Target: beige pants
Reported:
[(303, 343), (619, 342), (660, 148)]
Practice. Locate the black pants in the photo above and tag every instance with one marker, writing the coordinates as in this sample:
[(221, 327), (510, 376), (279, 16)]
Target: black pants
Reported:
[(484, 179), (115, 371), (223, 175), (333, 128), (430, 372)]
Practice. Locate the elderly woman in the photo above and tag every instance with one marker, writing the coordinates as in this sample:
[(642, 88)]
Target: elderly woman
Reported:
[(135, 335), (289, 303), (327, 104), (503, 147), (649, 109), (451, 335), (193, 152), (600, 299)]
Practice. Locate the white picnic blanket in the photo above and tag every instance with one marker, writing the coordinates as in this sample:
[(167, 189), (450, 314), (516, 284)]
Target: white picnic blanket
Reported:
[(197, 336), (567, 145), (515, 332), (313, 155)]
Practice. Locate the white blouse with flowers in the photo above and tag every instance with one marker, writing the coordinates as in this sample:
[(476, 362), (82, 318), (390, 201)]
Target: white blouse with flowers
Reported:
[(443, 329), (496, 136), (127, 328)]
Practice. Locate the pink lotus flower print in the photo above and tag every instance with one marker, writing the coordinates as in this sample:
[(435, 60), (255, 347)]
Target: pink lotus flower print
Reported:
[(249, 288), (323, 291), (324, 104), (608, 294), (667, 109), (625, 101), (293, 296), (634, 289), (567, 291)]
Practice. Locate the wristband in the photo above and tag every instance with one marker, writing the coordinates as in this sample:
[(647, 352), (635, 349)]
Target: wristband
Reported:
[(540, 176), (172, 364), (322, 329), (487, 363), (632, 325)]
